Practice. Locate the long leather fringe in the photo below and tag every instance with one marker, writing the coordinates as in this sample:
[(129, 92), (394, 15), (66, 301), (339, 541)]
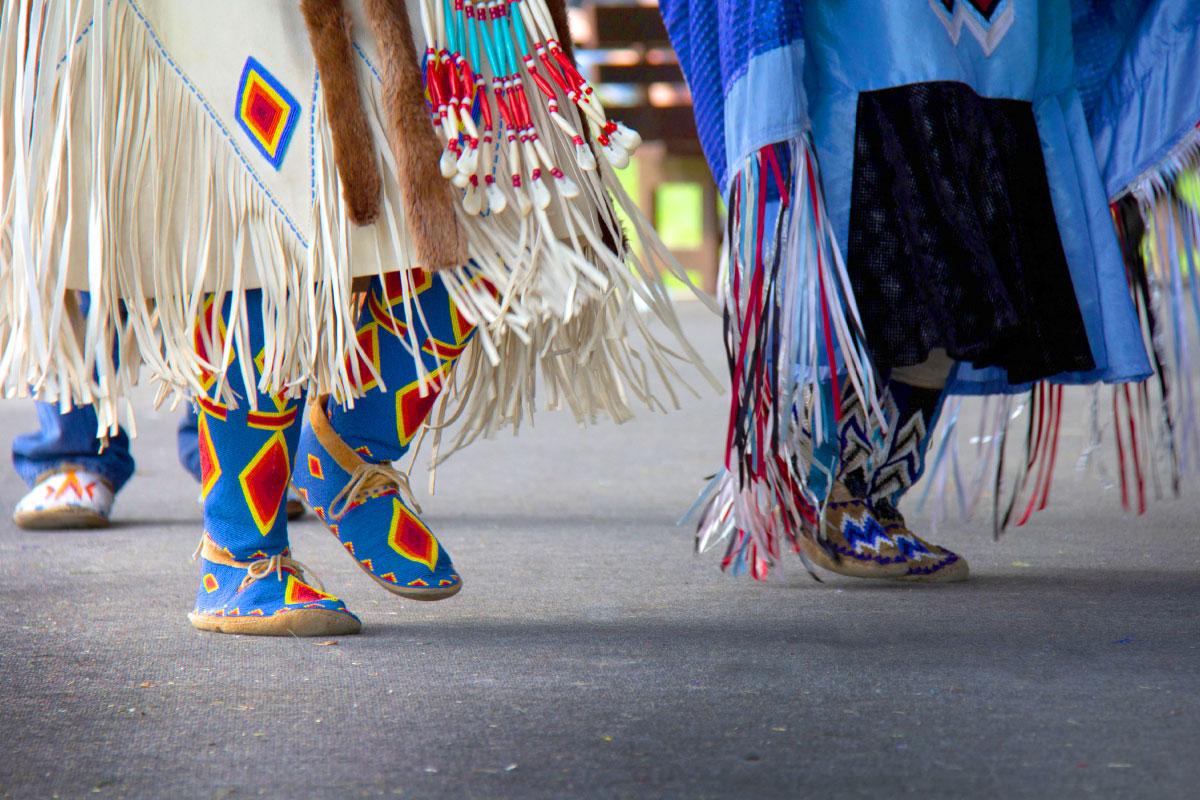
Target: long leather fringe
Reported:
[(560, 314)]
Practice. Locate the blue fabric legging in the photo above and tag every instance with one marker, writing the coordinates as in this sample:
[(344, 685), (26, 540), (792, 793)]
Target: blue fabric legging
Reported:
[(70, 438)]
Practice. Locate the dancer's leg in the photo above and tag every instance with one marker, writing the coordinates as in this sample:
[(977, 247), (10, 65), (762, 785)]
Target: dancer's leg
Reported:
[(73, 477), (852, 541), (345, 452), (914, 396), (248, 581)]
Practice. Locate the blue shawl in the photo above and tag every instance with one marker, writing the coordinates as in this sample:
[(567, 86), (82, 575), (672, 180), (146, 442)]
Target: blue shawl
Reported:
[(1136, 65)]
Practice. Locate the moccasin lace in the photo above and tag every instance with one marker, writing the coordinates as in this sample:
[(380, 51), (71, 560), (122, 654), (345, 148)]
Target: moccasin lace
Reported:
[(263, 567), (368, 479)]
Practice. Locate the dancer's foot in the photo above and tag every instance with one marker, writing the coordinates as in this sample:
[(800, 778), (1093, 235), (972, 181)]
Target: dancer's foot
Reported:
[(266, 596), (70, 497), (928, 563), (855, 543), (367, 506)]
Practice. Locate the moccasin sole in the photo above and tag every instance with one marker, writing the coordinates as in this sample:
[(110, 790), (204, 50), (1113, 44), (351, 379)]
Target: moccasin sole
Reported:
[(298, 622), (851, 567), (59, 519), (957, 572)]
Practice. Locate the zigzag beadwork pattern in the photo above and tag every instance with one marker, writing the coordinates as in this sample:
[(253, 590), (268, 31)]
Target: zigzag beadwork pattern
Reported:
[(865, 537), (852, 532), (902, 465), (853, 437), (987, 20)]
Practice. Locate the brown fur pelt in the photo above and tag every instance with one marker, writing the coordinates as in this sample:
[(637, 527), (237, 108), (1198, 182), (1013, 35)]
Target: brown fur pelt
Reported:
[(353, 149), (429, 198)]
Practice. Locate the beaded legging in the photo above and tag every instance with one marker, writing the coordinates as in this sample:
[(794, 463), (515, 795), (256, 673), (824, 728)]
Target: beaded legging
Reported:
[(246, 455)]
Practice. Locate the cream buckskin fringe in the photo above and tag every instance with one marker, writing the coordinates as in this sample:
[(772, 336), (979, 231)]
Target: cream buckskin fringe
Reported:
[(115, 121)]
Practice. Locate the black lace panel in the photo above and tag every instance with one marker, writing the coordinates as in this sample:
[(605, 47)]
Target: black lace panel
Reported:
[(953, 239)]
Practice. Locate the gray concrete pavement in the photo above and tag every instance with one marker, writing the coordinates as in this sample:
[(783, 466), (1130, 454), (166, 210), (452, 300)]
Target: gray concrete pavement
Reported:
[(592, 655)]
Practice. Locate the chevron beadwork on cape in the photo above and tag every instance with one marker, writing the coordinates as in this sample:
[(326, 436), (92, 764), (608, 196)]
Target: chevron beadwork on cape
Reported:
[(987, 20)]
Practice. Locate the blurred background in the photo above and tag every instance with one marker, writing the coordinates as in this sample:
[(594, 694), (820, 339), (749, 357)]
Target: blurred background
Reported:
[(623, 48)]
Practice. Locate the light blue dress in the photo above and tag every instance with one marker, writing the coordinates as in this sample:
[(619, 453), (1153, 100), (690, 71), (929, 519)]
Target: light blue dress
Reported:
[(1114, 87)]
